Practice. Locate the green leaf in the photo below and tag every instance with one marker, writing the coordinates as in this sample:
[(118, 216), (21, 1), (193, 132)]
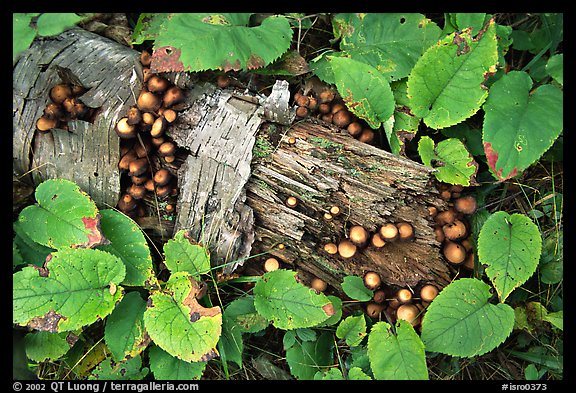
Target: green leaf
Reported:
[(41, 346), (223, 41), (129, 369), (337, 305), (365, 91), (16, 255), (457, 63), (332, 374), (64, 216), (551, 263), (556, 319), (231, 343), (520, 124), (127, 242), (185, 255), (405, 122), (451, 159), (22, 33), (389, 42), (352, 329), (356, 374), (32, 252), (531, 373), (167, 367), (74, 289), (354, 287), (124, 333), (306, 334), (396, 356), (242, 313), (177, 323), (49, 24), (471, 137), (147, 27), (308, 357), (289, 304), (461, 321), (555, 68), (509, 246), (469, 19), (289, 339)]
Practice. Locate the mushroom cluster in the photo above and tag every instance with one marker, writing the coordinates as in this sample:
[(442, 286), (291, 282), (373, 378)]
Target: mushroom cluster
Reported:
[(401, 303), (452, 228), (329, 107), (65, 105), (358, 237), (147, 153)]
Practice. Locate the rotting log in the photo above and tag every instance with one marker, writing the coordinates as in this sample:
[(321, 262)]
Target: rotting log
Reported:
[(326, 167), (88, 152)]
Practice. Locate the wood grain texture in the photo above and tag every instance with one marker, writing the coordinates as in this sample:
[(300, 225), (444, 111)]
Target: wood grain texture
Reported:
[(87, 153)]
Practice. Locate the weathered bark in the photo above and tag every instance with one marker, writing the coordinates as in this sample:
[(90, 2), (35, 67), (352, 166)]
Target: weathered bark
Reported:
[(87, 153), (327, 167)]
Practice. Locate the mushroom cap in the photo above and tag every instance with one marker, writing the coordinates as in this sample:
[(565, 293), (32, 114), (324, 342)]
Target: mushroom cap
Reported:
[(318, 284), (374, 309), (408, 312), (388, 232), (404, 295), (358, 235), (331, 248), (271, 264), (377, 241), (405, 231), (291, 201), (346, 249), (454, 231), (454, 252), (372, 280), (162, 177), (342, 118), (148, 102), (466, 204), (428, 292)]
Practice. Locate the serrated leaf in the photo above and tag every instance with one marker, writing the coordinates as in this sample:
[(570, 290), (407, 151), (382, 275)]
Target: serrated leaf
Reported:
[(354, 287), (289, 304), (396, 356), (22, 33), (167, 367), (461, 321), (451, 159), (49, 23), (308, 357), (475, 20), (555, 68), (389, 42), (41, 346), (16, 255), (129, 369), (352, 330), (72, 290), (147, 27), (455, 64), (124, 333), (177, 323), (509, 246), (64, 216), (127, 242), (364, 90), (183, 254), (469, 136), (520, 124), (222, 41)]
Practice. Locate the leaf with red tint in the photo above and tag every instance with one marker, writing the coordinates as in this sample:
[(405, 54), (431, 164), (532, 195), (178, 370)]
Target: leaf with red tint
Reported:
[(492, 158), (166, 59), (95, 236)]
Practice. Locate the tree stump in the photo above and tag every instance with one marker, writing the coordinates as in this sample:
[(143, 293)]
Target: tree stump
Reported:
[(88, 152)]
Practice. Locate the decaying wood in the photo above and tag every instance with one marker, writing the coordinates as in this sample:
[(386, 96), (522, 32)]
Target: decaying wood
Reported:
[(326, 167), (87, 153)]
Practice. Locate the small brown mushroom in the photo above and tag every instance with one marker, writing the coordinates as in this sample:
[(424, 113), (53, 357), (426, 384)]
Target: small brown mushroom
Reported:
[(354, 128), (158, 127), (60, 92), (145, 58), (455, 230), (126, 159), (125, 130), (409, 313), (223, 81), (367, 136), (346, 249), (454, 252), (173, 96), (326, 96), (342, 118), (134, 116), (157, 84), (138, 167), (127, 203), (374, 309), (331, 248), (137, 192), (148, 102), (318, 284), (53, 111), (466, 204), (170, 115), (335, 211), (379, 296), (372, 280), (162, 177), (405, 231), (291, 202), (45, 124), (302, 100), (324, 108), (445, 217), (271, 264), (404, 295), (377, 241), (358, 235), (167, 149), (428, 292), (388, 232)]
